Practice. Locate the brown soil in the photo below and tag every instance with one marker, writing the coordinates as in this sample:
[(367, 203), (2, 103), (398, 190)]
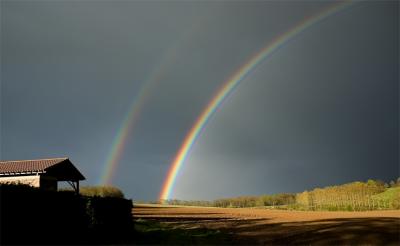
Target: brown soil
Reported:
[(279, 227)]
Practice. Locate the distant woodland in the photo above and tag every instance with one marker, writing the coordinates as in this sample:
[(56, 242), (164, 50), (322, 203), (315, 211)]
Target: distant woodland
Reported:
[(355, 196)]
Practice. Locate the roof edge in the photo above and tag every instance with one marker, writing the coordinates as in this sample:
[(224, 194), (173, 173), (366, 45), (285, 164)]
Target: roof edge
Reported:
[(45, 159)]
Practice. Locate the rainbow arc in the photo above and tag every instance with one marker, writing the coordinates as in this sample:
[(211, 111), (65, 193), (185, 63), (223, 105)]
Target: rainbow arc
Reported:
[(229, 86)]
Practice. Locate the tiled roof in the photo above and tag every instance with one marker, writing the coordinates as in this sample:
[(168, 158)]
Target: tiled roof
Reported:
[(28, 166)]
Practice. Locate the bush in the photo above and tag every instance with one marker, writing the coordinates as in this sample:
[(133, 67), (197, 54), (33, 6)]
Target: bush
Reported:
[(101, 191), (61, 217), (31, 211)]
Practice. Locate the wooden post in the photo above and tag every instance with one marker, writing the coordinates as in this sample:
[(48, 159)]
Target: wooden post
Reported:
[(77, 187)]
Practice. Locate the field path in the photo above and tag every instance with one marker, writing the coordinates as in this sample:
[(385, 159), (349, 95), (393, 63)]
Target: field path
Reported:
[(280, 227)]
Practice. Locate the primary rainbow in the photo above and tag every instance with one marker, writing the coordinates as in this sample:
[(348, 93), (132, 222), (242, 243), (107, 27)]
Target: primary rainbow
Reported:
[(229, 86)]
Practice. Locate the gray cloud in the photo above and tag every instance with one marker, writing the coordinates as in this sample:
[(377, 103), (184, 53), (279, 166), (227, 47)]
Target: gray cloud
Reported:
[(322, 110)]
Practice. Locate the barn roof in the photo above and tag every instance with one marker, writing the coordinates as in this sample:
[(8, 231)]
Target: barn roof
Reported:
[(61, 168)]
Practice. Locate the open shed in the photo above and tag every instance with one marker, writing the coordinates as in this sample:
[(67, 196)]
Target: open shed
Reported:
[(43, 173)]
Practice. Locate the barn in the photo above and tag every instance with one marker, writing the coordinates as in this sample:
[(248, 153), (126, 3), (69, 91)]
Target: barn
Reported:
[(43, 173)]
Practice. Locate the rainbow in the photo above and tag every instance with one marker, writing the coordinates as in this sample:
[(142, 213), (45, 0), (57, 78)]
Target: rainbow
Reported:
[(229, 86), (119, 142), (131, 118), (136, 107)]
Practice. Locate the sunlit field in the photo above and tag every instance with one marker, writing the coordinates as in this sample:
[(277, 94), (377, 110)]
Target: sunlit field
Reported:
[(264, 226)]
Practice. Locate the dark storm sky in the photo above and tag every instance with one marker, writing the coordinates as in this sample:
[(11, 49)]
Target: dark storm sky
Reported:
[(322, 110)]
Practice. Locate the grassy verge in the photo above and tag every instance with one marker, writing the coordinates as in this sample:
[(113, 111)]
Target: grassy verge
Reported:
[(152, 232)]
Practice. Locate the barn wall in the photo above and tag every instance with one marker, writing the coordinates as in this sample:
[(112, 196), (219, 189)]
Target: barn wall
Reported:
[(32, 180)]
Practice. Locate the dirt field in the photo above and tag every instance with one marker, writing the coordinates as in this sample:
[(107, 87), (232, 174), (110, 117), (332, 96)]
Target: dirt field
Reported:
[(278, 227)]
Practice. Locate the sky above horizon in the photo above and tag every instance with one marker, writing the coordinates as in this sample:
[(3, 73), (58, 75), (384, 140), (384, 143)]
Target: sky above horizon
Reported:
[(322, 110)]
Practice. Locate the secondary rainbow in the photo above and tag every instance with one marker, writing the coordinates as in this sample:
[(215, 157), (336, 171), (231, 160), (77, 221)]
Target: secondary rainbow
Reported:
[(229, 86), (119, 142), (134, 110), (133, 114)]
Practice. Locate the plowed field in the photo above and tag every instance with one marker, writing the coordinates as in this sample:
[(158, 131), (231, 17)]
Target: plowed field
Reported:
[(280, 227)]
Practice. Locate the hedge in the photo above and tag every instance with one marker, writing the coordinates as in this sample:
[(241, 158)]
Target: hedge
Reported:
[(33, 216)]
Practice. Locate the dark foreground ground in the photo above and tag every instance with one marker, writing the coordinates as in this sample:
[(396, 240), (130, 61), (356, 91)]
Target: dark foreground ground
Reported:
[(249, 226)]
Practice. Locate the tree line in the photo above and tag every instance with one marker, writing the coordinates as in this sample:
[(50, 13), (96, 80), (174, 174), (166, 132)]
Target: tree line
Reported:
[(354, 196)]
